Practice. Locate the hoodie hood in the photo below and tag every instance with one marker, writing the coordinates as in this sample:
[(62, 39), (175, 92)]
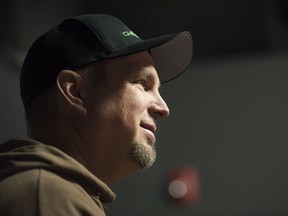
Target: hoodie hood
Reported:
[(19, 155)]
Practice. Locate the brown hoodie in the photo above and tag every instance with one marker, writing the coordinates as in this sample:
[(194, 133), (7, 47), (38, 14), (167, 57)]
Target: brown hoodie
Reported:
[(37, 179)]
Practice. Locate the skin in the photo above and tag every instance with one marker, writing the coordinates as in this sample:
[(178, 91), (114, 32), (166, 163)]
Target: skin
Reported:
[(111, 129)]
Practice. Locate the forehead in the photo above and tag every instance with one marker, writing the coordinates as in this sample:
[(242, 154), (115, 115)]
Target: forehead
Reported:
[(131, 66)]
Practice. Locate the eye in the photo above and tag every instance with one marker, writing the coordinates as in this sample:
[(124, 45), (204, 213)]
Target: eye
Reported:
[(142, 83)]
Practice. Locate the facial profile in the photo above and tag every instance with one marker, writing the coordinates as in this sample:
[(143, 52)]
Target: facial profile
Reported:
[(123, 115)]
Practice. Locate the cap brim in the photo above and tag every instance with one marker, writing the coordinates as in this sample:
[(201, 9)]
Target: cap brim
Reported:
[(172, 54), (173, 57)]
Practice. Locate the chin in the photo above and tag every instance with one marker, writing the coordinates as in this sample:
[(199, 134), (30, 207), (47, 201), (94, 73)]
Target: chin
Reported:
[(144, 155)]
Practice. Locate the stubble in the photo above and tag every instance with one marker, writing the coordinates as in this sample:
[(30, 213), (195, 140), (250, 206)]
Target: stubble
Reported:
[(144, 155)]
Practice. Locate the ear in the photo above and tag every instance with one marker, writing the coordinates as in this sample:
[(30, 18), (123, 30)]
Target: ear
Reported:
[(69, 86)]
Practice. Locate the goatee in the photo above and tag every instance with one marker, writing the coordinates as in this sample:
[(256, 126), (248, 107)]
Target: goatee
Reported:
[(144, 154)]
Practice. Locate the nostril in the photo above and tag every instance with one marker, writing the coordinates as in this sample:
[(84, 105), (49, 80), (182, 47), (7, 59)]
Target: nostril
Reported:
[(160, 114), (163, 113)]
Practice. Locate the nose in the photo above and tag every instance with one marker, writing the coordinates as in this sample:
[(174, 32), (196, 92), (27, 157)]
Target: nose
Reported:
[(158, 108)]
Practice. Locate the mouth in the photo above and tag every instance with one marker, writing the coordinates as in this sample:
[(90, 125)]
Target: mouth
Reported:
[(150, 127)]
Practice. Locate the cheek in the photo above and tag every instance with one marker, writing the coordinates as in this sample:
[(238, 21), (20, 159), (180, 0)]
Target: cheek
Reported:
[(133, 106), (126, 113), (118, 113)]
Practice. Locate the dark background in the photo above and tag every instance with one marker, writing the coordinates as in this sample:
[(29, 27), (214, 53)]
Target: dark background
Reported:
[(228, 111)]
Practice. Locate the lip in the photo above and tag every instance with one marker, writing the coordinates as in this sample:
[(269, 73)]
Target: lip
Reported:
[(150, 127)]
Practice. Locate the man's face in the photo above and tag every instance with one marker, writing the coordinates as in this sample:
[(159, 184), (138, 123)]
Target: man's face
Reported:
[(122, 115)]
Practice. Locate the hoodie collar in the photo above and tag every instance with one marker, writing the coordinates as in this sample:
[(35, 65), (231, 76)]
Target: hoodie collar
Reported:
[(23, 154)]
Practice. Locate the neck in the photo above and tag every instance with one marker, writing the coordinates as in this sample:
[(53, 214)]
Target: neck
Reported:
[(94, 156)]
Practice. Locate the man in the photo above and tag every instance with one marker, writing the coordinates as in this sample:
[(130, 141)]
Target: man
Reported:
[(90, 88)]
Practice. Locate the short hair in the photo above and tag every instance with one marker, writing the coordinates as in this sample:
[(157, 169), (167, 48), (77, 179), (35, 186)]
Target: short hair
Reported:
[(43, 109), (95, 73)]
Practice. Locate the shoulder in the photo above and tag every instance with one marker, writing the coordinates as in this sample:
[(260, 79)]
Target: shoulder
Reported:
[(18, 193), (41, 192), (65, 194)]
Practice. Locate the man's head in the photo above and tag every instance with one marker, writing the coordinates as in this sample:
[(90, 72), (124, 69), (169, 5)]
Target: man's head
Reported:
[(86, 39), (95, 85)]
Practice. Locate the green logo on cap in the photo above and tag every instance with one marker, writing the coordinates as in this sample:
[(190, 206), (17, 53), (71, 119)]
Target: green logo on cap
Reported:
[(129, 33)]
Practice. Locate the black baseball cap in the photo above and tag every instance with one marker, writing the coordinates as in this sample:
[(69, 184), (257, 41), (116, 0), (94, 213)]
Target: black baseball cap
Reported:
[(85, 39)]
